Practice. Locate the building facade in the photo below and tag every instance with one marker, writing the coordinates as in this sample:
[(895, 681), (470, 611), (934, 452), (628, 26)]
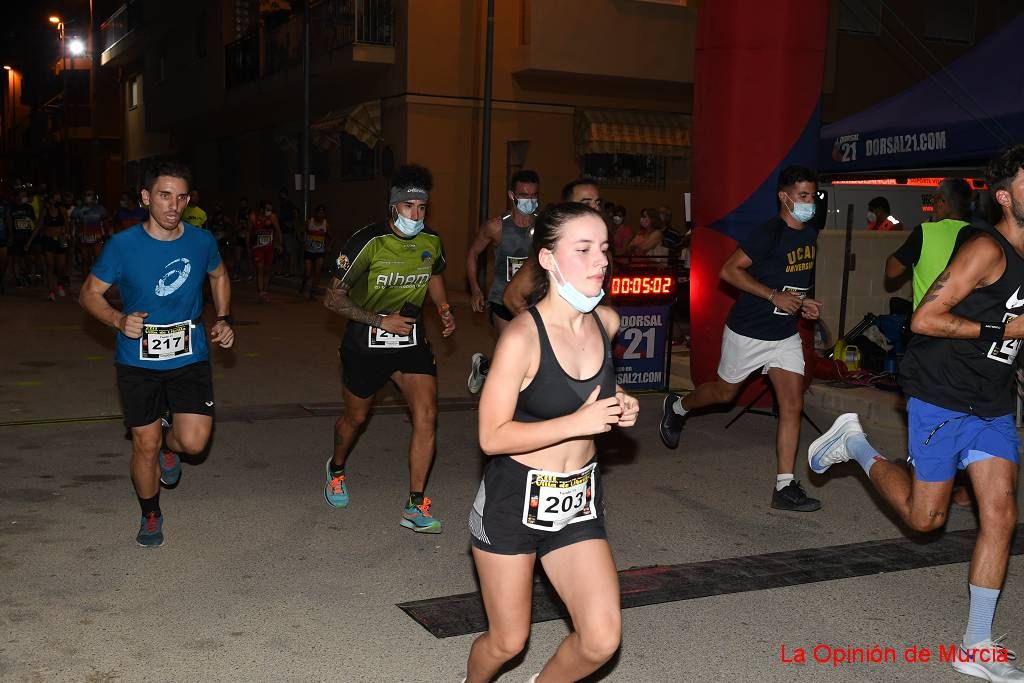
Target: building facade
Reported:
[(599, 87)]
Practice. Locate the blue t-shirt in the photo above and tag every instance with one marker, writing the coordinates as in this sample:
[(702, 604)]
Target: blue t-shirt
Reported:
[(781, 258), (165, 280)]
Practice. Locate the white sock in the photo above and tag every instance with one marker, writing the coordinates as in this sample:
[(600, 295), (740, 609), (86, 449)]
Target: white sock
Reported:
[(677, 407), (782, 481)]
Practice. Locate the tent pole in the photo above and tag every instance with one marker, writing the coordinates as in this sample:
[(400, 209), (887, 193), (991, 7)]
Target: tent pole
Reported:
[(847, 267)]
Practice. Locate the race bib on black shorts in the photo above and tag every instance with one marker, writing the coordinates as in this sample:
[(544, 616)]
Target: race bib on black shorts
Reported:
[(382, 339), (556, 499)]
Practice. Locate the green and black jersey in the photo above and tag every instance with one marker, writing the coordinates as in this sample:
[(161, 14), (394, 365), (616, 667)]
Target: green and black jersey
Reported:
[(383, 272)]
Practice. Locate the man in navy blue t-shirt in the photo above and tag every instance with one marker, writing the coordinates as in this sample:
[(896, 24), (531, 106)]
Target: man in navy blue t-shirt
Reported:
[(162, 355), (773, 268)]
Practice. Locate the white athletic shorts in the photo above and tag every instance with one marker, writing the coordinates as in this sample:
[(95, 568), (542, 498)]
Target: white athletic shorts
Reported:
[(743, 355)]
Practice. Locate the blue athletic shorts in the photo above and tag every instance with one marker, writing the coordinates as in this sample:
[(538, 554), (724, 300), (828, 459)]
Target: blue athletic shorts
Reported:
[(941, 441)]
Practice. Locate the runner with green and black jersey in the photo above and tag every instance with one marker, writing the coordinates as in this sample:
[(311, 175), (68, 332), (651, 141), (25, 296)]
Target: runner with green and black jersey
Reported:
[(379, 282)]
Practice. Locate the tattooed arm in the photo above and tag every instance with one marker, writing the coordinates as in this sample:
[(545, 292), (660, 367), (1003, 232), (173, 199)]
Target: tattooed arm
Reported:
[(337, 300), (977, 264)]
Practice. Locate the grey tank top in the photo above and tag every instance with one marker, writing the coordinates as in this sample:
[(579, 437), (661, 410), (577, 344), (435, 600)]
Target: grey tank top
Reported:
[(509, 256)]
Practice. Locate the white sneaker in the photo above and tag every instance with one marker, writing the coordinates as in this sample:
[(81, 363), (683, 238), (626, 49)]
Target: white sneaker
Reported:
[(475, 382), (830, 447), (988, 660)]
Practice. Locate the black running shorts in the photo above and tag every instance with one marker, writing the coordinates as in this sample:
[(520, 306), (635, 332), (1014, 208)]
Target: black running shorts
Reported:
[(364, 372), (496, 519), (147, 394), (53, 245)]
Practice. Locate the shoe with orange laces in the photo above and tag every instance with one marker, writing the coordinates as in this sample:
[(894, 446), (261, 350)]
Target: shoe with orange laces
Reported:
[(419, 519), (335, 488), (151, 531)]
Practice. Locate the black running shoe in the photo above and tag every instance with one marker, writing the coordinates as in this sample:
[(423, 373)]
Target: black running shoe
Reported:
[(794, 499), (671, 422)]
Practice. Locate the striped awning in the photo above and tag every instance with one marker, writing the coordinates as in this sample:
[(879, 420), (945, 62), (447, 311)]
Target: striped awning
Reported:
[(608, 131), (361, 122)]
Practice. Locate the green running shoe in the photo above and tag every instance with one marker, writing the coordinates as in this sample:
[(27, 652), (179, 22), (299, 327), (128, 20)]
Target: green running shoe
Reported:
[(335, 488), (419, 519)]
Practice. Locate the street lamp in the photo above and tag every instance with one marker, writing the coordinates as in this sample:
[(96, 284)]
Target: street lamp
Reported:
[(59, 23), (76, 47)]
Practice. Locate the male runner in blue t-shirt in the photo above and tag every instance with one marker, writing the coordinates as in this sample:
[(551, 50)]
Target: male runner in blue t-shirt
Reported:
[(162, 357)]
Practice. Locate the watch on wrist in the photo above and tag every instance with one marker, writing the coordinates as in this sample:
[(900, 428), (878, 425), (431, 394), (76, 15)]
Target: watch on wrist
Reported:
[(229, 319)]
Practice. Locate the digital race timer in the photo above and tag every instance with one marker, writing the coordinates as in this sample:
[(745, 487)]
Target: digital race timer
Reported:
[(642, 285)]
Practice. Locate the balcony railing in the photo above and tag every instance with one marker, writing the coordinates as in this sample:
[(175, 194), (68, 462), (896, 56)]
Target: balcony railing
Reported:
[(334, 24), (122, 22)]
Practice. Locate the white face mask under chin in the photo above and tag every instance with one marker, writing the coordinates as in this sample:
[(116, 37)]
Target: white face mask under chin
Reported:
[(574, 297)]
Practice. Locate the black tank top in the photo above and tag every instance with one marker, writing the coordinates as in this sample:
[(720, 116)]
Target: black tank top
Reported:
[(553, 392), (971, 375), (53, 221)]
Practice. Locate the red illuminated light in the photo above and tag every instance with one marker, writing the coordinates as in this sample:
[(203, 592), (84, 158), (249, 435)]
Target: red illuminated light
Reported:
[(643, 285)]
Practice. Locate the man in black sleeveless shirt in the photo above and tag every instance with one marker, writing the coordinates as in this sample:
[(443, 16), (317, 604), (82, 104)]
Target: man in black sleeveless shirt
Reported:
[(959, 375)]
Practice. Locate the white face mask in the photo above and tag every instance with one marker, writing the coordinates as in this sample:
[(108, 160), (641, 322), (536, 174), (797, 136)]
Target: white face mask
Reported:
[(617, 220), (574, 297), (802, 211), (526, 206)]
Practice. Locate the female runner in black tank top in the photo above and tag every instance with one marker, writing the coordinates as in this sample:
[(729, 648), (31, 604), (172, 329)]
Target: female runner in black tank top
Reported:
[(550, 390), (52, 232)]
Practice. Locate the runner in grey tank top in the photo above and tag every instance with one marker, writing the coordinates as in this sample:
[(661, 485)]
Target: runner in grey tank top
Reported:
[(509, 255), (511, 237)]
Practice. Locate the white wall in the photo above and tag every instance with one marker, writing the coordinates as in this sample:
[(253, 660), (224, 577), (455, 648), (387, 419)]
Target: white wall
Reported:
[(867, 293)]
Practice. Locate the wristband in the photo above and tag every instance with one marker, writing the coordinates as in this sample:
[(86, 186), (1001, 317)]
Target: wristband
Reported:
[(771, 297), (444, 309), (992, 331), (229, 319)]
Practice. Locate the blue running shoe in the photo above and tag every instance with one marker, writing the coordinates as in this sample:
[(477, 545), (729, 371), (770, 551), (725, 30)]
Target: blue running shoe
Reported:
[(170, 467), (335, 489), (151, 531), (419, 519), (830, 448)]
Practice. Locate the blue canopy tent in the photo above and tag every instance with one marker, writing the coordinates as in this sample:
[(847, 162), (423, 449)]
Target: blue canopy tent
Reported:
[(960, 116)]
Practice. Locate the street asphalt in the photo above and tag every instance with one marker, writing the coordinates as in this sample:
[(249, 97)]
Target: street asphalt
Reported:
[(261, 581)]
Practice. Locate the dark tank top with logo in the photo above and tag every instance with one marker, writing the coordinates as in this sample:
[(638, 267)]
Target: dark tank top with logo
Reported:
[(509, 256), (972, 376), (554, 392)]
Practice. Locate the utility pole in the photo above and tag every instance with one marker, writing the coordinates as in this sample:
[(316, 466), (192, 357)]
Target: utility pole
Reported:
[(64, 102), (305, 113), (485, 147)]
